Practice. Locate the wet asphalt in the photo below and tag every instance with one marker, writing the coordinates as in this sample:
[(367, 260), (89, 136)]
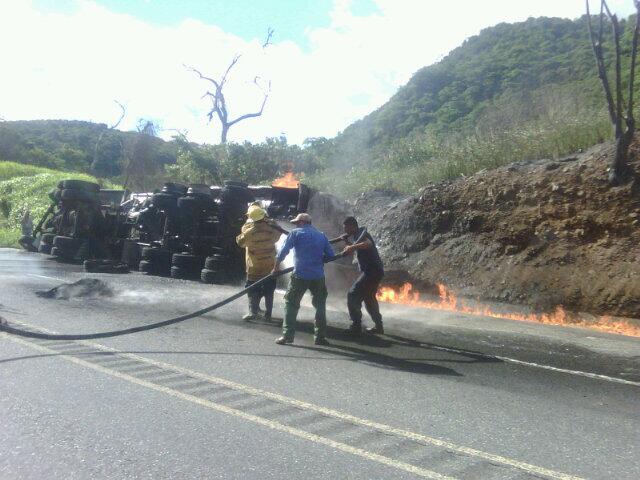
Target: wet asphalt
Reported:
[(441, 395)]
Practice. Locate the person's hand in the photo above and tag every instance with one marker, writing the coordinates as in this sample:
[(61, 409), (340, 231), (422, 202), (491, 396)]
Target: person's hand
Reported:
[(348, 250)]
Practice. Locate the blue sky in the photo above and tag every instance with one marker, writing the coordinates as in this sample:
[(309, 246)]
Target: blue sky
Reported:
[(331, 61), (246, 18)]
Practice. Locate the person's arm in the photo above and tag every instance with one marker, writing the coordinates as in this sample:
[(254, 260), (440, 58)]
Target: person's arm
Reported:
[(328, 249), (362, 245), (284, 251), (243, 238)]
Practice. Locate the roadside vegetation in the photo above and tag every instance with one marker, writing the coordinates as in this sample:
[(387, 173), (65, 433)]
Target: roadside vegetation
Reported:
[(25, 187), (514, 92)]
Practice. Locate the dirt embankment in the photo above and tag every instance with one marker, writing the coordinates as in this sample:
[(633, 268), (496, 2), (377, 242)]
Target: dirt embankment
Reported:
[(541, 233)]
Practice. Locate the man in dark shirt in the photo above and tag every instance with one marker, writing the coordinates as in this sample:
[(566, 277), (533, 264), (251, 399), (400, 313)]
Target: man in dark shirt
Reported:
[(366, 286)]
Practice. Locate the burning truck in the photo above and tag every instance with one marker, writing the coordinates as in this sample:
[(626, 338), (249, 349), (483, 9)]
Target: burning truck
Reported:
[(181, 231)]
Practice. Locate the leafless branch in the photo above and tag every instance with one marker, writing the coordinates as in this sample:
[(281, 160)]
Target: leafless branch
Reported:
[(218, 100), (123, 112), (267, 42)]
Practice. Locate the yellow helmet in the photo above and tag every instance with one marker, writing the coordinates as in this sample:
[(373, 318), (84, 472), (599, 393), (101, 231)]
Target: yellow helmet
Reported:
[(256, 213)]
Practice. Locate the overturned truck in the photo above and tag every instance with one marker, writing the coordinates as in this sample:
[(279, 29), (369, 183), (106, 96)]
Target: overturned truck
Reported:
[(185, 232)]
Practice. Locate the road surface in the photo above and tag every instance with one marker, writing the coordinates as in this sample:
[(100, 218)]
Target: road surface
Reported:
[(441, 395)]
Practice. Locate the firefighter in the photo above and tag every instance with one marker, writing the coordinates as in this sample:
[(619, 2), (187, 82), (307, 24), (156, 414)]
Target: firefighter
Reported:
[(364, 289), (258, 236)]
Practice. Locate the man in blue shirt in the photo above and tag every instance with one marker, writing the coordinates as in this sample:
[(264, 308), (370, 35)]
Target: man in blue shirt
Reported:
[(310, 249)]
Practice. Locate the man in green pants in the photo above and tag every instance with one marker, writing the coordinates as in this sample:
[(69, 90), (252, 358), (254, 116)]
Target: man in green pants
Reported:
[(310, 247)]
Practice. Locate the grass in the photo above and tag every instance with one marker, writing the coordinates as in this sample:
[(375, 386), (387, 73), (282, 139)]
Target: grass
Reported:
[(25, 187), (409, 165)]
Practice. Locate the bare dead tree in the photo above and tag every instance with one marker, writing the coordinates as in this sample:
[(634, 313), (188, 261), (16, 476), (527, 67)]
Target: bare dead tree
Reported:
[(622, 119), (218, 101), (123, 112)]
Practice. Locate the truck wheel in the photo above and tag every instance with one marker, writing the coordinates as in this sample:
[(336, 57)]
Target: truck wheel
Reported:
[(66, 243), (160, 258), (145, 266), (187, 261), (79, 185), (212, 276), (180, 273), (164, 201), (174, 188), (192, 204), (45, 248), (47, 238), (72, 195), (54, 195), (217, 262)]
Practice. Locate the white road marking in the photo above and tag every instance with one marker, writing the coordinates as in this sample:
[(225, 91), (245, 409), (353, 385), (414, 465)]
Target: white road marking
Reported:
[(44, 276), (422, 472), (533, 469), (579, 373)]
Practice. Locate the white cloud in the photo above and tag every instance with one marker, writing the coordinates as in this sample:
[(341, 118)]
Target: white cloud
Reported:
[(73, 66)]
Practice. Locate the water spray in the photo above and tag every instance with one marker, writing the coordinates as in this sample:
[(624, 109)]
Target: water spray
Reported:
[(152, 326)]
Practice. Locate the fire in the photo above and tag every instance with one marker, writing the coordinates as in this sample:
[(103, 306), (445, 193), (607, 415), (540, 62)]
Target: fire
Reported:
[(406, 295), (288, 180)]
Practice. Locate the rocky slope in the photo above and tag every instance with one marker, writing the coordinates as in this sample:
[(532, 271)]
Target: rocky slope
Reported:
[(541, 233)]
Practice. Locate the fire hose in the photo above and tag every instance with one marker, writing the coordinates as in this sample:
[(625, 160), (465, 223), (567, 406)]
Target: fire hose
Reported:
[(152, 326)]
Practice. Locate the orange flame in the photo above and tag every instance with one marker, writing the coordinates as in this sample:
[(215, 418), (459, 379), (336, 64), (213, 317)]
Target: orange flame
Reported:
[(406, 295), (288, 180)]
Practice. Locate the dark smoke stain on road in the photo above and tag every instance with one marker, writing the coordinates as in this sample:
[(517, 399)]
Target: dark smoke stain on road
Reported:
[(84, 288)]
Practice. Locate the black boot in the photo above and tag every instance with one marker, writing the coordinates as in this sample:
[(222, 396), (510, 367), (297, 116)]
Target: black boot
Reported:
[(355, 329), (378, 329)]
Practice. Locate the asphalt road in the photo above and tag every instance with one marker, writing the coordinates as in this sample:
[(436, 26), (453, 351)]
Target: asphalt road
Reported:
[(440, 396)]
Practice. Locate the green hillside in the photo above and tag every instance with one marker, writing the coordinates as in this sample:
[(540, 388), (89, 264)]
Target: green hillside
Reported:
[(513, 92), (71, 145), (505, 64)]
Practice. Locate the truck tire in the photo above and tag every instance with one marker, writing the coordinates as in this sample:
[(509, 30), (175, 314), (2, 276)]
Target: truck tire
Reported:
[(212, 276), (164, 201), (145, 266), (183, 273), (235, 183), (174, 188), (54, 195), (187, 261), (44, 248), (47, 238), (160, 258), (62, 255), (217, 262), (66, 243), (74, 195), (156, 254), (79, 185), (199, 189), (193, 204)]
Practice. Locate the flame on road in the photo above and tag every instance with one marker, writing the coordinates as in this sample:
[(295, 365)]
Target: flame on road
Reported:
[(406, 295), (288, 180)]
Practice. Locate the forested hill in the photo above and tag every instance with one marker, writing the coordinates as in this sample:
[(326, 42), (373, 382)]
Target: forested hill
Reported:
[(71, 145), (502, 64)]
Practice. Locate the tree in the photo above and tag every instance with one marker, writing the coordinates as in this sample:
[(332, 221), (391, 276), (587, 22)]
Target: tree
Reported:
[(219, 102), (96, 163), (623, 122), (141, 164)]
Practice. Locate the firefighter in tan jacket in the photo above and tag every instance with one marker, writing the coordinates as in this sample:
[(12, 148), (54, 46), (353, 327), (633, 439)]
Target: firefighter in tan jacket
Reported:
[(258, 237)]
